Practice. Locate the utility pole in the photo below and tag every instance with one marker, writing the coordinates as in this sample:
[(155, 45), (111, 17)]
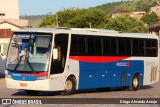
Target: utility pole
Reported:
[(90, 25)]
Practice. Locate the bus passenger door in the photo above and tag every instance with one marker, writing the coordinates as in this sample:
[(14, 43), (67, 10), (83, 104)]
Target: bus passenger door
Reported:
[(61, 44), (58, 64)]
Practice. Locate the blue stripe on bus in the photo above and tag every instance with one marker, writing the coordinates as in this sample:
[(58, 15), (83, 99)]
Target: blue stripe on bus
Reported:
[(22, 77), (111, 74)]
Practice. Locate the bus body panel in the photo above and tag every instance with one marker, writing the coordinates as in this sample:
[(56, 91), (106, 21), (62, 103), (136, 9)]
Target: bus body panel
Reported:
[(72, 69), (110, 74), (151, 74)]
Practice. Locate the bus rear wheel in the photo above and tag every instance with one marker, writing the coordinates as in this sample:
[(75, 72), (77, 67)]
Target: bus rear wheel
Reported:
[(135, 83), (32, 92), (69, 87)]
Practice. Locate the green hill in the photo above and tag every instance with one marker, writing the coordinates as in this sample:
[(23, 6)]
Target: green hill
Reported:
[(128, 6)]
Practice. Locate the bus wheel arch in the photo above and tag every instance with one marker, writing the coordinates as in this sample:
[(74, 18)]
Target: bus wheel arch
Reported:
[(135, 82), (70, 86)]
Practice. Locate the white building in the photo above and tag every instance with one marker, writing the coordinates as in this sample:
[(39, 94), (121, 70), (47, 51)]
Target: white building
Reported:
[(9, 15), (9, 21), (137, 15), (9, 9)]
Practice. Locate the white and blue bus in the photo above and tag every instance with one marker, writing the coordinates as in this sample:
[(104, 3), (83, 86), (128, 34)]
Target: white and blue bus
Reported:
[(66, 60)]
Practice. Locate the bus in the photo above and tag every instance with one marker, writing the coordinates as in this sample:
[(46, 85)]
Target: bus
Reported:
[(66, 60)]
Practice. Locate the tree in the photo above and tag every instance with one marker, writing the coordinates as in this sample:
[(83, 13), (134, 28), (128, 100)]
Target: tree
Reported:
[(80, 18), (150, 18), (47, 21), (126, 24)]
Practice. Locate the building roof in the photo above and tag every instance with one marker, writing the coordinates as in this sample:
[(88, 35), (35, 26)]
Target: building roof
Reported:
[(155, 27), (12, 23)]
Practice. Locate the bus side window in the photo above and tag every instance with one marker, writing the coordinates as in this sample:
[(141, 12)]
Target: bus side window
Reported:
[(141, 47), (74, 45), (128, 47), (155, 47), (82, 45), (121, 47), (90, 46), (114, 46), (148, 47), (98, 43), (135, 49), (106, 46)]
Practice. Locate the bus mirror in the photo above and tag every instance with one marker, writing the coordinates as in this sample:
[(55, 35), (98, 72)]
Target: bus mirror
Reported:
[(55, 53)]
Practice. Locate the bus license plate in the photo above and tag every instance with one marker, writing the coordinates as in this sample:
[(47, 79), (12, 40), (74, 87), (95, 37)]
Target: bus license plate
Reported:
[(23, 84)]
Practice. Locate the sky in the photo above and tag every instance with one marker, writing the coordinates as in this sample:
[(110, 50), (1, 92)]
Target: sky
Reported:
[(43, 7)]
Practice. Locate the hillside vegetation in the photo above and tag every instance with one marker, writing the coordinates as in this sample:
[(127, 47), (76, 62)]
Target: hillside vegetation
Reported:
[(128, 6)]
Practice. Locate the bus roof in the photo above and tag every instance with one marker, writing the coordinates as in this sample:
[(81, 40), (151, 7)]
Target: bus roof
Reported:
[(88, 31)]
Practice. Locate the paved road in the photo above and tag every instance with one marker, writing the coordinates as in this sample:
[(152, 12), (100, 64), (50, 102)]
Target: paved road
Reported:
[(152, 91)]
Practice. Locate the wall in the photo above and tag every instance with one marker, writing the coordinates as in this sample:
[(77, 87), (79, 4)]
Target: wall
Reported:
[(10, 8)]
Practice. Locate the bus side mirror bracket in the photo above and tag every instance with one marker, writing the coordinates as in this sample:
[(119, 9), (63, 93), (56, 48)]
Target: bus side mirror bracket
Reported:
[(55, 53)]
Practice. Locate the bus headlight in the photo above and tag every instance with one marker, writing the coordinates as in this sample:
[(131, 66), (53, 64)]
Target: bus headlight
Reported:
[(42, 78)]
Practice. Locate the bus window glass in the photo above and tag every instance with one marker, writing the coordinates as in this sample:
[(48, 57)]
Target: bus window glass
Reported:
[(29, 52), (155, 47), (141, 47), (128, 46), (81, 44), (74, 45), (121, 47), (113, 46), (135, 49), (98, 44), (106, 46), (91, 46), (148, 47)]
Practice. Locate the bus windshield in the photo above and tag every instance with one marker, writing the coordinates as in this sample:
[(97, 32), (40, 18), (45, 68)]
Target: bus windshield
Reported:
[(29, 52)]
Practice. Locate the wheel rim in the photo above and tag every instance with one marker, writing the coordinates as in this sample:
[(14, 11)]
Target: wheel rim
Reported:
[(135, 82), (68, 85)]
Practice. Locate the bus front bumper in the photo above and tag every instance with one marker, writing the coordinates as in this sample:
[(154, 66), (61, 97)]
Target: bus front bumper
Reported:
[(41, 85)]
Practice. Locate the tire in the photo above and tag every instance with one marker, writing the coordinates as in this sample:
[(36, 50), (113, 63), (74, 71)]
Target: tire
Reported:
[(32, 92), (69, 86), (135, 83)]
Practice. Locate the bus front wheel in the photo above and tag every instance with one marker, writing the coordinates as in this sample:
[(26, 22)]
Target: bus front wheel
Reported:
[(69, 87), (135, 83), (32, 92)]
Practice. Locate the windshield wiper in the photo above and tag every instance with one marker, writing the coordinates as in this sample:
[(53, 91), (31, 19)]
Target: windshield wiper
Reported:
[(27, 62), (20, 59)]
